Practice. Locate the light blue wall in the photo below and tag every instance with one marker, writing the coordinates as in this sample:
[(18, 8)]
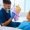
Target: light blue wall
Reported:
[(26, 5), (1, 3)]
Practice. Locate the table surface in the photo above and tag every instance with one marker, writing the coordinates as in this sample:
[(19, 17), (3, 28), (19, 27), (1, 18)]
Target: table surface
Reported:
[(8, 28)]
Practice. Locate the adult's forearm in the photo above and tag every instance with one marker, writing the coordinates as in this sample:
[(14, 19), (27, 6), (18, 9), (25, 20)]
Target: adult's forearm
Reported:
[(6, 23)]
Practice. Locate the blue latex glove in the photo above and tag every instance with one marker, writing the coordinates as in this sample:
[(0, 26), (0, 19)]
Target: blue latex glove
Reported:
[(12, 15)]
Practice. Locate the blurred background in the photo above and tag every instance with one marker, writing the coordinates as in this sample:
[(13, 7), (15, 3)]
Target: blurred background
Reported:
[(23, 4)]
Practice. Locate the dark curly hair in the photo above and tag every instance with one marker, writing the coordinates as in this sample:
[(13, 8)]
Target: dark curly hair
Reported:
[(6, 1)]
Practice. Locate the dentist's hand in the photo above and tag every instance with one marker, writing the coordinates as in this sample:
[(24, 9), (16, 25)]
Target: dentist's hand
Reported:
[(12, 15)]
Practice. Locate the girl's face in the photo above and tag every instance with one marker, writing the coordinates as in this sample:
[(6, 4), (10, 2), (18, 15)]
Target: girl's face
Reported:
[(28, 17)]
